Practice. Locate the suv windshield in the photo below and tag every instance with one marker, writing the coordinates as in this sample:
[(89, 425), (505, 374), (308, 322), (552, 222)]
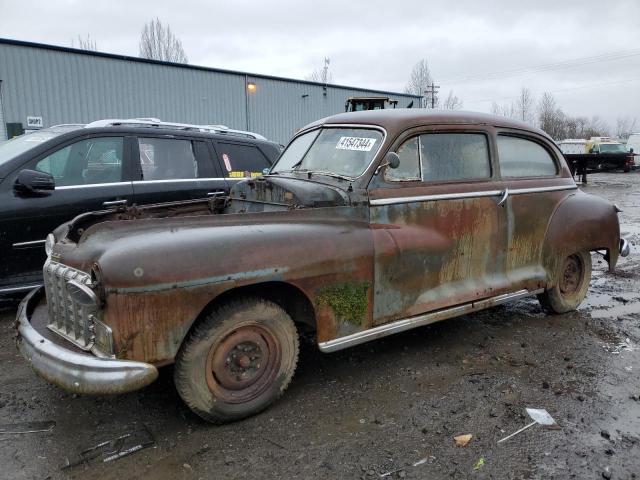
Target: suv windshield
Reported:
[(332, 150), (612, 148), (14, 147)]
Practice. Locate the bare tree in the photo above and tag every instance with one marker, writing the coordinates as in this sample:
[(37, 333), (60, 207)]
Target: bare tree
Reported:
[(321, 75), (551, 118), (625, 126), (524, 105), (85, 43), (504, 110), (452, 102), (158, 42), (420, 81), (595, 127)]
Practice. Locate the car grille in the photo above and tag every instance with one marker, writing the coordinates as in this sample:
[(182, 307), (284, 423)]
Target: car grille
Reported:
[(66, 317)]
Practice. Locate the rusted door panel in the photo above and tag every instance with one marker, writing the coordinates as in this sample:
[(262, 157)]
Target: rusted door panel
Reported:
[(432, 254), (528, 218)]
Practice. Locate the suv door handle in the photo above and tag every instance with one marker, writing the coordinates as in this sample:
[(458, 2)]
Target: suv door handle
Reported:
[(114, 203), (503, 198), (216, 193)]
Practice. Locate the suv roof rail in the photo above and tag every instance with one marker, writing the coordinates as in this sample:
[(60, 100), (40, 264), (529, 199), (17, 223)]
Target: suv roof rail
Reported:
[(157, 123)]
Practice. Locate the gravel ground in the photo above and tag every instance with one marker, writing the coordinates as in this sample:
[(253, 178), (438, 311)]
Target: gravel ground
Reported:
[(388, 409)]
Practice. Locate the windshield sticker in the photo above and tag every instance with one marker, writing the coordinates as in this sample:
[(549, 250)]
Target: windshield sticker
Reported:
[(356, 143), (227, 163)]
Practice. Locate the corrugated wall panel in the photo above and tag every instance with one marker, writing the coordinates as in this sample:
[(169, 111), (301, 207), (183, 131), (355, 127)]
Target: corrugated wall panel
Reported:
[(68, 87)]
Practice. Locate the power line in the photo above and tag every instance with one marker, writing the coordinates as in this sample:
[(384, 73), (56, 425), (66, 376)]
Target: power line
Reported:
[(589, 85), (576, 62)]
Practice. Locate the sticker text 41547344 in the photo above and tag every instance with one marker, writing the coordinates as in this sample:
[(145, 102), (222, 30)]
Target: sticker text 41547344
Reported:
[(360, 144)]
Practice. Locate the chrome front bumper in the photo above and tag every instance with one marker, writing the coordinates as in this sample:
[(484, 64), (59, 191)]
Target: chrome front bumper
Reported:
[(625, 248), (74, 371)]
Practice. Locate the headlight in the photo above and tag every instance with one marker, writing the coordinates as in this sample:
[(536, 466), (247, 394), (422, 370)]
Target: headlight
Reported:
[(48, 244)]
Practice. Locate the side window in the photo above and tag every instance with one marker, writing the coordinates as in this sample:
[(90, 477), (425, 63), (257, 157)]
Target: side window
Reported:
[(237, 159), (409, 168), (89, 161), (454, 156), (167, 159), (524, 158)]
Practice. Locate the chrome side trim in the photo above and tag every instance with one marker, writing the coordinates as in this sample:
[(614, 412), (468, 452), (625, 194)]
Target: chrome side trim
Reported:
[(430, 198), (77, 372), (33, 243), (90, 185), (456, 196), (181, 180), (419, 321), (19, 289), (519, 191)]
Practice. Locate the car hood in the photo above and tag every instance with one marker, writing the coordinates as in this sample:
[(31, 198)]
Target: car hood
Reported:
[(277, 192)]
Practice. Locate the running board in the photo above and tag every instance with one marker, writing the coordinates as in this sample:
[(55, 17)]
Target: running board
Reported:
[(419, 321)]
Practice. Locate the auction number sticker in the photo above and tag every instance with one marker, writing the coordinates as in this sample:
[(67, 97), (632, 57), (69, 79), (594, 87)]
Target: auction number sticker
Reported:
[(360, 144)]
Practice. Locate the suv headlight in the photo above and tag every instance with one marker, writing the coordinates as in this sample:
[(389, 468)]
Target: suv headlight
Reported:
[(48, 244)]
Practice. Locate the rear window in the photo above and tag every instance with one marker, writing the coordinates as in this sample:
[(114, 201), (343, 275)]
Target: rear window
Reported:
[(520, 157), (167, 159), (239, 160)]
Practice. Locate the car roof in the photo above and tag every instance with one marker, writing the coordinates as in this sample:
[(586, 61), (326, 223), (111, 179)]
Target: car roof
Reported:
[(398, 119)]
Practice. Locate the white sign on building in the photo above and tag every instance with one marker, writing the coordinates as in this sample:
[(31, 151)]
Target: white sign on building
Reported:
[(34, 122)]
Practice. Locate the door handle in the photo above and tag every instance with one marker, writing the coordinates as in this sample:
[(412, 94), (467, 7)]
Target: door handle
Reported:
[(503, 198), (216, 193), (114, 203)]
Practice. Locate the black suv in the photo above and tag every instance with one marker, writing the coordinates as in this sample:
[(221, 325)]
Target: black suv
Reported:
[(50, 176)]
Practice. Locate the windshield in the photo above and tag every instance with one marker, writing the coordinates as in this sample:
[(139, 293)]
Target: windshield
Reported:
[(339, 151), (612, 148), (14, 147)]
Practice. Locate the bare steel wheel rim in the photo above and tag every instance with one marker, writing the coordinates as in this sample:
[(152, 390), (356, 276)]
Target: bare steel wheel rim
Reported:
[(572, 275), (243, 364)]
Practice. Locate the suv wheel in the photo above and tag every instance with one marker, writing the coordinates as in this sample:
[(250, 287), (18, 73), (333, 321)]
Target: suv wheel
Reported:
[(572, 283), (238, 360)]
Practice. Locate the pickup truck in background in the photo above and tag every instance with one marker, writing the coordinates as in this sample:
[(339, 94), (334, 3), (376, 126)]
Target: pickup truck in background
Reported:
[(601, 155)]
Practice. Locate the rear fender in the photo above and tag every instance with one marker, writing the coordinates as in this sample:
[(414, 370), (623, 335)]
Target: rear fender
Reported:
[(581, 222)]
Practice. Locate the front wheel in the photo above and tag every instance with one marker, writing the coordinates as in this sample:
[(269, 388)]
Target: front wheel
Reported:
[(238, 360), (571, 284)]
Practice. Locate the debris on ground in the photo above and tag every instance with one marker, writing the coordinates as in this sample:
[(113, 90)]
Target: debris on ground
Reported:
[(539, 415), (114, 449), (27, 427), (479, 464), (462, 440)]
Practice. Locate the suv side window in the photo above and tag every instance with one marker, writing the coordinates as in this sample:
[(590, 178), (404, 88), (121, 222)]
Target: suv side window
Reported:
[(89, 161), (167, 159), (409, 168), (454, 156), (237, 159), (519, 157)]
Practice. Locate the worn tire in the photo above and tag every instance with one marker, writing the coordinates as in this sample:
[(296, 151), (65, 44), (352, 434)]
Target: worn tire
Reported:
[(237, 360), (571, 284)]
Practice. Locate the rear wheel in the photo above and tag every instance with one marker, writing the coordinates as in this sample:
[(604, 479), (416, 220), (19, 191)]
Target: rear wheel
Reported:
[(238, 360), (571, 284)]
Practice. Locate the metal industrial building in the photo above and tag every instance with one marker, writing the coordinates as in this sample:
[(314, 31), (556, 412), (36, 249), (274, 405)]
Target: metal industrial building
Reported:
[(44, 85)]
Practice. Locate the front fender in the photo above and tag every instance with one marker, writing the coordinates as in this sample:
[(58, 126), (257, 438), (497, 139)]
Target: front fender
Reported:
[(157, 283), (581, 222)]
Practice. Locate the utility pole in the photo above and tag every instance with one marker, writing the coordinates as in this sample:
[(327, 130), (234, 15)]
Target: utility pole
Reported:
[(431, 92), (325, 70)]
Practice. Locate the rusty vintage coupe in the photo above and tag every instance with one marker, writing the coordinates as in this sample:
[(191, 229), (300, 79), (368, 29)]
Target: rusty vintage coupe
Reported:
[(370, 223)]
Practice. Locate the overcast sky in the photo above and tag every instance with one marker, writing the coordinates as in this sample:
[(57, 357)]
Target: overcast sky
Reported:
[(375, 44)]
